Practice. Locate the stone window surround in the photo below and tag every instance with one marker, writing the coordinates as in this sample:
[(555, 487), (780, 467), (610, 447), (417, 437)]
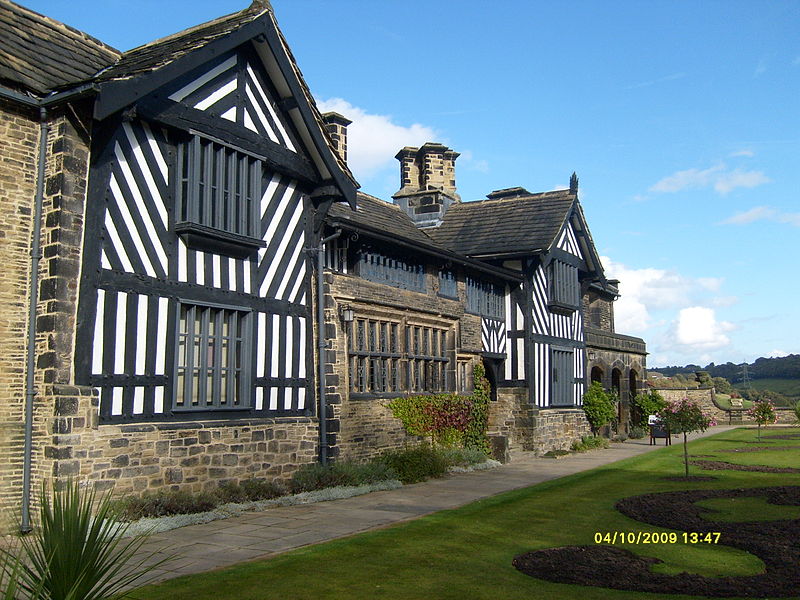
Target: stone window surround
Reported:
[(404, 318)]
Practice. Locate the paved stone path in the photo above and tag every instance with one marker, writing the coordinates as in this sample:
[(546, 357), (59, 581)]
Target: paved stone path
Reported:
[(252, 535)]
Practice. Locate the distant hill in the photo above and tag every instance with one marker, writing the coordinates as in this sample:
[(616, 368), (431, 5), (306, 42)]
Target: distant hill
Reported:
[(785, 367)]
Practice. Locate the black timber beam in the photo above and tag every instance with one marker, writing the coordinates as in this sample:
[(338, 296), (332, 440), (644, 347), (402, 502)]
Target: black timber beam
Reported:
[(343, 182), (186, 118)]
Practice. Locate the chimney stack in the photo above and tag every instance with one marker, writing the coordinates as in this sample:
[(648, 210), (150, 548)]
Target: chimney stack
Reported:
[(427, 183), (336, 125)]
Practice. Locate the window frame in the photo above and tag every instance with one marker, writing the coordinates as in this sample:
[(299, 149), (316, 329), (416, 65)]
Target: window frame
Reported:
[(389, 357), (448, 284), (562, 357), (396, 272), (486, 299), (212, 177), (238, 343), (563, 287)]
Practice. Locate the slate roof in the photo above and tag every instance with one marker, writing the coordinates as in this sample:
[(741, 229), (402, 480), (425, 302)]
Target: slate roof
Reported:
[(511, 221), (380, 216), (161, 52), (40, 54)]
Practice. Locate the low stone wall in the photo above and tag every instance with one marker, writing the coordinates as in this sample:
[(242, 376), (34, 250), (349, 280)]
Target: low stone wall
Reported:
[(703, 396), (191, 456), (367, 429), (513, 417), (556, 429)]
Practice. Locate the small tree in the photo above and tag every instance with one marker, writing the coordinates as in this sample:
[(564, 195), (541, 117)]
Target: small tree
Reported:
[(684, 417), (762, 413), (598, 406)]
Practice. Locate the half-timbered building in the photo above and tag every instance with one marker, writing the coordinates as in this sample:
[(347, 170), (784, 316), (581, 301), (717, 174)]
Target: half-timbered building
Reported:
[(207, 297)]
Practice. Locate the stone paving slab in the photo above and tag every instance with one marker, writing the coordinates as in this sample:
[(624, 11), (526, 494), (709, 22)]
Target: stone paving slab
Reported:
[(198, 548)]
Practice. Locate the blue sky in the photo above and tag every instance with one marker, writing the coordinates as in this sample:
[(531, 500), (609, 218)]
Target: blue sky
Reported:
[(682, 120)]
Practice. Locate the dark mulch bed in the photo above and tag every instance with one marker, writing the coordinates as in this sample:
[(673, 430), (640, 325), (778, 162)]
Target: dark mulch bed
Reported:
[(785, 436), (754, 449), (720, 465), (774, 542), (689, 478)]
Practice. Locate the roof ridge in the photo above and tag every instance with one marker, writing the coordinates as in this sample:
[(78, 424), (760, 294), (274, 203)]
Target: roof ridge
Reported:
[(508, 200), (194, 28), (56, 24)]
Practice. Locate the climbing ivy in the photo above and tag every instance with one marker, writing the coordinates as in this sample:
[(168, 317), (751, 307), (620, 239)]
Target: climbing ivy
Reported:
[(449, 420)]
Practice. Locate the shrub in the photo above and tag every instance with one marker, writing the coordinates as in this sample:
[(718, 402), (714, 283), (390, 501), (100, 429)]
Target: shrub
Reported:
[(598, 406), (636, 432), (462, 457), (73, 553), (315, 476), (449, 420), (164, 503), (416, 464), (475, 433), (646, 405), (249, 490), (589, 442)]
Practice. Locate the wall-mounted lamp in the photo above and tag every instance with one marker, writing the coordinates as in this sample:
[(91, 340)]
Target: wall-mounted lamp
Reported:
[(346, 313)]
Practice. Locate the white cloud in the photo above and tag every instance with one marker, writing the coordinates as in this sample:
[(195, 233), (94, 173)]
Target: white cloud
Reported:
[(790, 218), (676, 313), (719, 177), (727, 182), (747, 153), (723, 301), (777, 354), (373, 140), (688, 179), (762, 213), (642, 84), (698, 328), (756, 213), (467, 160)]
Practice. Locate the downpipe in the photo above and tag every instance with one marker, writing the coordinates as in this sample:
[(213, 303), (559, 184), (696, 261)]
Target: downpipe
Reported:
[(30, 389), (321, 348)]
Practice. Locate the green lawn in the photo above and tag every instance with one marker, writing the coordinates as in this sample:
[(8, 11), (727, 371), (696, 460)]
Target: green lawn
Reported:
[(466, 554)]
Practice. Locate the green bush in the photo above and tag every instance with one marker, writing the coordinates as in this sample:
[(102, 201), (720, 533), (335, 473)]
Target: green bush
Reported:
[(646, 405), (636, 432), (589, 442), (598, 406), (249, 490), (449, 420), (315, 476), (416, 464), (165, 503), (462, 457)]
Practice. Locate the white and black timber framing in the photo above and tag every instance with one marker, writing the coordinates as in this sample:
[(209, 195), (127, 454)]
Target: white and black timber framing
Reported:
[(140, 268)]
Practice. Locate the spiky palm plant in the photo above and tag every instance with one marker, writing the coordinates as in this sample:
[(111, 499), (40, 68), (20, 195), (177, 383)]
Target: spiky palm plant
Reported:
[(75, 552)]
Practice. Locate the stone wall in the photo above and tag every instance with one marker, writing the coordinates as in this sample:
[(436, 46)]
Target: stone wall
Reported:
[(66, 171), (192, 456), (513, 417), (361, 427), (557, 429), (19, 140), (703, 396)]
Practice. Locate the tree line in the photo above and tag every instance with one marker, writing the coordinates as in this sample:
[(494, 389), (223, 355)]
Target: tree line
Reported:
[(785, 367)]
